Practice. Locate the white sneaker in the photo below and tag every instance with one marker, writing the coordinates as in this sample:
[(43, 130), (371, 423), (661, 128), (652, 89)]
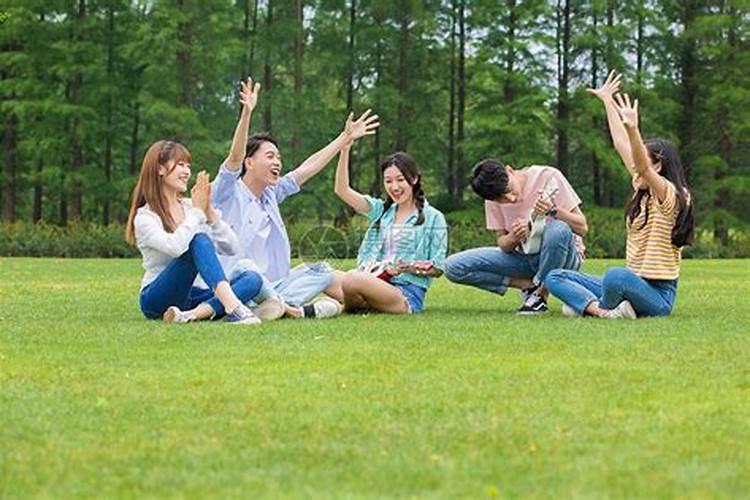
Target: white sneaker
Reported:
[(327, 308), (624, 310), (569, 311), (270, 309), (174, 314), (242, 315)]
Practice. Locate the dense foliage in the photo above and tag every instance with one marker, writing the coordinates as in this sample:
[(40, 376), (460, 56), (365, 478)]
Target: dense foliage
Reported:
[(87, 85)]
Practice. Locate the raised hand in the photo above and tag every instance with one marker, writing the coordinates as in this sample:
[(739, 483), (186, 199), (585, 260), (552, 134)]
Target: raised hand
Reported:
[(201, 193), (628, 112), (249, 94), (364, 125), (609, 88)]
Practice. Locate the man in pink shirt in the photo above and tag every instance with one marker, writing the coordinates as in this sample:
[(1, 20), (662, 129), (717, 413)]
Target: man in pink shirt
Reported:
[(512, 199)]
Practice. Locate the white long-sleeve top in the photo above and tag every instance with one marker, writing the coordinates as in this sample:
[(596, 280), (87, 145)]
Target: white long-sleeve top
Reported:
[(159, 247)]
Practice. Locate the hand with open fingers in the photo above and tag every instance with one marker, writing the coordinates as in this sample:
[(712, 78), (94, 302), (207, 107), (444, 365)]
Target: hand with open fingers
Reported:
[(542, 205), (362, 126), (249, 94), (201, 192), (520, 229), (628, 111), (609, 88)]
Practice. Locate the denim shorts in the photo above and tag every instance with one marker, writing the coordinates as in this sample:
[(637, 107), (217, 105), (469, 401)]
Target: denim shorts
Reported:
[(414, 296)]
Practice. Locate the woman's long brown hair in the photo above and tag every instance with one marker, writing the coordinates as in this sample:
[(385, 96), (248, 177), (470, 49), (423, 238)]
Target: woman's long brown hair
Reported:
[(148, 190)]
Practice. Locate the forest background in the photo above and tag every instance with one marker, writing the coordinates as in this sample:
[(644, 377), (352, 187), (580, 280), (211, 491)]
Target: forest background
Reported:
[(86, 86)]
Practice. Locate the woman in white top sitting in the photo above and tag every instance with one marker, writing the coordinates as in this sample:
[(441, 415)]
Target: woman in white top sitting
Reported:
[(179, 238)]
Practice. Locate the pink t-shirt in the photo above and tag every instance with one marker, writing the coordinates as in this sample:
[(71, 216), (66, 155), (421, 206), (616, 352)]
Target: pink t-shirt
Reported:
[(500, 216)]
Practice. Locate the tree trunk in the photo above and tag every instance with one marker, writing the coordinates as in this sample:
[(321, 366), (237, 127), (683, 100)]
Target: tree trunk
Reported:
[(184, 54), (76, 152), (460, 153), (563, 68), (350, 83), (639, 48), (607, 193), (726, 147), (402, 129), (689, 83), (510, 55), (595, 167), (299, 46), (451, 167), (38, 192), (10, 166), (375, 187), (267, 77), (134, 138), (109, 134), (250, 36)]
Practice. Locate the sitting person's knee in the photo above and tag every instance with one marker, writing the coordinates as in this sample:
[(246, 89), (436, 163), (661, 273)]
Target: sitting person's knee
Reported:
[(616, 279), (615, 276), (201, 239), (555, 276), (454, 268), (350, 283), (557, 232)]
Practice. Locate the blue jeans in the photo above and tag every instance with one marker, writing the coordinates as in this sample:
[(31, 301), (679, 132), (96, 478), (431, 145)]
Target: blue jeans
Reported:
[(300, 286), (174, 286), (491, 269), (578, 290)]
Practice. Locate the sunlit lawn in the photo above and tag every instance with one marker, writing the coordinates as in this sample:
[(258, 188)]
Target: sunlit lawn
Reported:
[(465, 400)]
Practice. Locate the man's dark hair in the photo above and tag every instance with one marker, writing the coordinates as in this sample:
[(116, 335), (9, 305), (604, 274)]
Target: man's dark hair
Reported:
[(489, 179), (254, 142)]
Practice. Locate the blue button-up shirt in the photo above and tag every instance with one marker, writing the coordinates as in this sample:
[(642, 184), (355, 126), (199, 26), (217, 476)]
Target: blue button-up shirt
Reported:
[(257, 222), (404, 242)]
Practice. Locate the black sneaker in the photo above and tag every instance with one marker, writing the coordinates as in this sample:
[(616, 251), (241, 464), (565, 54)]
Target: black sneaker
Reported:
[(533, 303)]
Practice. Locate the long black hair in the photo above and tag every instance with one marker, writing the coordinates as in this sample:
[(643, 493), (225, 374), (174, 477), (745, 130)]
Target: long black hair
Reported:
[(683, 231), (409, 169)]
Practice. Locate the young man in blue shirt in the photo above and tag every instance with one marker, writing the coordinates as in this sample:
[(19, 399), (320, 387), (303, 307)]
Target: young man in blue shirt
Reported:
[(249, 189)]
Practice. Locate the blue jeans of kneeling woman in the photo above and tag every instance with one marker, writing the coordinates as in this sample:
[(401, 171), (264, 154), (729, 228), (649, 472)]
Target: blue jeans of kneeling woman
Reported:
[(578, 290), (174, 286), (491, 268)]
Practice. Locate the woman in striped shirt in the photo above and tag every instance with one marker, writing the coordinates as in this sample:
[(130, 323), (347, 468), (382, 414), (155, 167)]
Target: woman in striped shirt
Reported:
[(659, 220)]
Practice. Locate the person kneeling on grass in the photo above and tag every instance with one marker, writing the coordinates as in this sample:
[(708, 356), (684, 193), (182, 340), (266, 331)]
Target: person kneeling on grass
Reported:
[(176, 237), (539, 226), (405, 244), (659, 220)]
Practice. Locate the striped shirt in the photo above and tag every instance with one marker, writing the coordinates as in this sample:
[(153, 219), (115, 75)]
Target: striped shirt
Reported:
[(650, 252)]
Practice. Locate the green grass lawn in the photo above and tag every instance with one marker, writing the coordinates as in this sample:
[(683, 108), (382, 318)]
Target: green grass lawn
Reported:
[(465, 400)]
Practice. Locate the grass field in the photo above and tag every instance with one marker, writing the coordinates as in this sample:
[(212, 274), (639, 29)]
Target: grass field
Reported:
[(466, 400)]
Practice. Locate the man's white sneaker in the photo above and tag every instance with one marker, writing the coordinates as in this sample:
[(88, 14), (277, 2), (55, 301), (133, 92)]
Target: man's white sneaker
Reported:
[(242, 315), (624, 310), (327, 308), (173, 314), (270, 309)]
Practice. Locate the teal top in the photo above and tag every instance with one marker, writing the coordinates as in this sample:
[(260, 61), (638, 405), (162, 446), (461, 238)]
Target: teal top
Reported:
[(404, 242)]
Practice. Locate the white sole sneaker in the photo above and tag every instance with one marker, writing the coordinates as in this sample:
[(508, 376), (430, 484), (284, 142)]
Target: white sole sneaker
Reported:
[(270, 309), (327, 308), (173, 314), (624, 310)]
